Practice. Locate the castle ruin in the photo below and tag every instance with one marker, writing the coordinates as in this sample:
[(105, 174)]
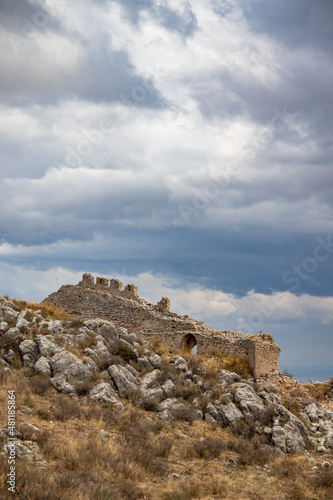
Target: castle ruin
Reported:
[(108, 299)]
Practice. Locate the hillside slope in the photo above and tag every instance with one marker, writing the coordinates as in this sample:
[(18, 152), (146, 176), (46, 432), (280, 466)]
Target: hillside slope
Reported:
[(103, 413)]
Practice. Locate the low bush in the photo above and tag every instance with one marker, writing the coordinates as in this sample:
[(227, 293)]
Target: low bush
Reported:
[(254, 452), (187, 392), (324, 479), (65, 409), (127, 354), (209, 448), (40, 384)]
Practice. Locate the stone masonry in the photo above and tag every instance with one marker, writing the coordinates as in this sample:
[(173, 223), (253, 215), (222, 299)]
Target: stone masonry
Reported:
[(109, 299)]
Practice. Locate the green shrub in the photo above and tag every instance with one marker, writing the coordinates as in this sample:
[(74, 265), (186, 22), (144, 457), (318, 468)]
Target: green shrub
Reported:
[(127, 354)]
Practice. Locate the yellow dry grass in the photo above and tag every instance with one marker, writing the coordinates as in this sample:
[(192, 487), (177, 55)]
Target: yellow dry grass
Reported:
[(142, 457)]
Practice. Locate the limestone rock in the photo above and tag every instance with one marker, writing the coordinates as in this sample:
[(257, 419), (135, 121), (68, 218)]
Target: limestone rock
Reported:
[(165, 415), (227, 378), (133, 371), (173, 404), (67, 365), (21, 321), (292, 436), (29, 351), (143, 363), (124, 343), (122, 378), (210, 419), (168, 387), (313, 412), (155, 360), (329, 439), (8, 313), (12, 337), (59, 382), (9, 356), (147, 388), (108, 331), (46, 347), (104, 393), (245, 393), (229, 414), (3, 326), (100, 354), (180, 364), (43, 366), (92, 324)]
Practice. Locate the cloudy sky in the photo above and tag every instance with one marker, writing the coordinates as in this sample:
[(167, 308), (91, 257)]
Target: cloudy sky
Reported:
[(185, 146)]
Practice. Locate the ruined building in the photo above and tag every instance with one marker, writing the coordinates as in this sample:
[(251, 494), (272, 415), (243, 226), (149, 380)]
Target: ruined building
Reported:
[(108, 299)]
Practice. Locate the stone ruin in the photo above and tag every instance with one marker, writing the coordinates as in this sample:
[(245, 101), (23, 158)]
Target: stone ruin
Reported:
[(108, 299)]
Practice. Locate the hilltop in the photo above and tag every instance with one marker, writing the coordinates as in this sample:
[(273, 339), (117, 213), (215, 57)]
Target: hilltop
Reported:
[(103, 412)]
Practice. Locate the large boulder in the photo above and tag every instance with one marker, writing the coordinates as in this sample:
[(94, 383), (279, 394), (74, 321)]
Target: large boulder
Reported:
[(43, 366), (8, 313), (143, 363), (180, 364), (29, 351), (122, 378), (229, 414), (244, 393), (168, 387), (104, 393), (46, 347), (100, 354), (155, 360), (12, 338), (314, 412), (149, 387), (4, 326), (108, 331), (69, 366), (291, 436), (227, 378), (329, 439), (55, 326), (173, 404), (60, 383)]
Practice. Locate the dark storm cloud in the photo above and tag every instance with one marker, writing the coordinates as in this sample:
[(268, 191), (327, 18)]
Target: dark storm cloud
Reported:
[(184, 23), (301, 23), (23, 18), (33, 72)]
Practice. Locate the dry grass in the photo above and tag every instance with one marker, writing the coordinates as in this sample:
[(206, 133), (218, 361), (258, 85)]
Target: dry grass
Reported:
[(142, 457), (48, 311)]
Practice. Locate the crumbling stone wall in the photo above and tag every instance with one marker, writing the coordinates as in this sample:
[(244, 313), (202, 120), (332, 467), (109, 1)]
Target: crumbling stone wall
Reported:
[(108, 299)]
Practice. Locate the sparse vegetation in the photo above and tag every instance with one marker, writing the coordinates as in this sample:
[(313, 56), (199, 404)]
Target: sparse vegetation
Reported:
[(89, 450), (127, 354)]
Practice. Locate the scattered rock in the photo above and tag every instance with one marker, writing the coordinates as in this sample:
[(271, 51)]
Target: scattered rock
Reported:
[(29, 351), (43, 366), (180, 364), (46, 347), (68, 366), (122, 378)]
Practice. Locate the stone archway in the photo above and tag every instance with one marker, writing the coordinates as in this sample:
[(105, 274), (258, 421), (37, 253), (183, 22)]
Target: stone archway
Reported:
[(189, 342)]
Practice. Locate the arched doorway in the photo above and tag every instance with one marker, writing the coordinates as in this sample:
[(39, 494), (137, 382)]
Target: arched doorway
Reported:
[(189, 343)]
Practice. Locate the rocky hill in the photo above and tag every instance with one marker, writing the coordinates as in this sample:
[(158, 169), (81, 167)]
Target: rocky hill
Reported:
[(104, 413)]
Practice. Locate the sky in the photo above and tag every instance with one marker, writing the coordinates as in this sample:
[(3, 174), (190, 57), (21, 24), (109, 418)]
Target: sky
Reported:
[(184, 146)]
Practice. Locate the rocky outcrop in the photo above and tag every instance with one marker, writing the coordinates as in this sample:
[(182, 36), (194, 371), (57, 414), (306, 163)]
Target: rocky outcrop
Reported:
[(67, 365), (85, 357), (122, 378)]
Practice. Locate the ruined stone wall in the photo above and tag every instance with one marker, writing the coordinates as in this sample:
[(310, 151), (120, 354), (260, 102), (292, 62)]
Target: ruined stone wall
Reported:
[(112, 286), (107, 299)]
